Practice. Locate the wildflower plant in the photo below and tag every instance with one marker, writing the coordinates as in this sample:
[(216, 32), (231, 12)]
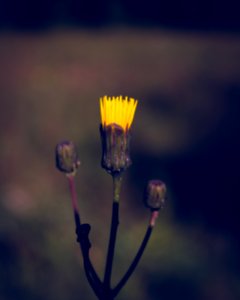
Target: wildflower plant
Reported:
[(117, 114)]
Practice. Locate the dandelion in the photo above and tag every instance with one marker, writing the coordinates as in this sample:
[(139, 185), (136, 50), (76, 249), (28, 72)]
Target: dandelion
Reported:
[(117, 114)]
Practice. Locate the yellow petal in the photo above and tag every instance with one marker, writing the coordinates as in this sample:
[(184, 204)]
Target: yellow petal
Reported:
[(117, 110)]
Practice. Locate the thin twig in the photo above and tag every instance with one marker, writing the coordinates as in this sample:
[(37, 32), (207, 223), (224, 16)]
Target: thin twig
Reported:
[(138, 256)]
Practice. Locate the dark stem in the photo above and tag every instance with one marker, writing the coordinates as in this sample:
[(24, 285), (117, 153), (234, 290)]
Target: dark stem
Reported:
[(113, 233), (73, 192), (111, 246), (91, 275), (82, 232), (135, 262), (85, 245)]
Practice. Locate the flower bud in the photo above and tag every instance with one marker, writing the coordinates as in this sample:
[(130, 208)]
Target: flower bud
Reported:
[(115, 148), (117, 114), (155, 192), (66, 157)]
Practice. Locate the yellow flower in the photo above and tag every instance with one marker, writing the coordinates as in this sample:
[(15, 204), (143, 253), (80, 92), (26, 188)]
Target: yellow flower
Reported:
[(117, 115), (117, 110)]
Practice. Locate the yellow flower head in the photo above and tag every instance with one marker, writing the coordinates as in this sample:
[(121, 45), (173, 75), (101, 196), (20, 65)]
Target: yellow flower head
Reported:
[(117, 110)]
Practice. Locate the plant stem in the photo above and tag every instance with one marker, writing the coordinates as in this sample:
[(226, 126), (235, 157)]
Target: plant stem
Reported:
[(113, 232), (138, 256), (73, 192), (82, 231)]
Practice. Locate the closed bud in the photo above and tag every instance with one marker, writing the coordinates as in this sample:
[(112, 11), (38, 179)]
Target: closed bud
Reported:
[(155, 193), (115, 148), (66, 157)]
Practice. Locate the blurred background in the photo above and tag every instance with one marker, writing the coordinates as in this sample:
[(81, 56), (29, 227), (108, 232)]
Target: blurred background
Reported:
[(182, 62)]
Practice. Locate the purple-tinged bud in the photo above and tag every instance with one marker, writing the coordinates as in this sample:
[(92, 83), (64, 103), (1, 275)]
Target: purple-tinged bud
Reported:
[(115, 148), (66, 157), (155, 193)]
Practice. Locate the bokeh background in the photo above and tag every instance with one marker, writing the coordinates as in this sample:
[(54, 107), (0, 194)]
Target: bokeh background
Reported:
[(181, 60)]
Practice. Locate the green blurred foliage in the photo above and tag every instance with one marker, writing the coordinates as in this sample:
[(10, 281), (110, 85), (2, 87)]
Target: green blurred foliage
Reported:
[(50, 83)]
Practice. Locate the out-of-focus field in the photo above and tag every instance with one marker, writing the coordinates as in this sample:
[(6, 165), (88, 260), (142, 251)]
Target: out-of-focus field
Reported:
[(184, 132)]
